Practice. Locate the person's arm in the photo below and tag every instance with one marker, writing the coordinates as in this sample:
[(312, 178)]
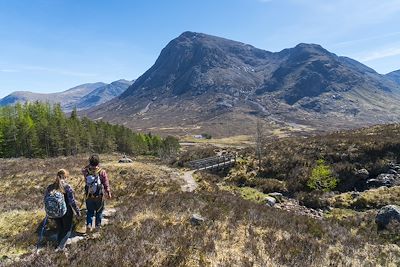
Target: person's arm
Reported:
[(71, 199), (85, 172), (106, 183)]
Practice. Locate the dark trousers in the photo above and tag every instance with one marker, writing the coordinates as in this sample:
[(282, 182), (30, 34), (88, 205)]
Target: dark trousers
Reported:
[(64, 227), (95, 207)]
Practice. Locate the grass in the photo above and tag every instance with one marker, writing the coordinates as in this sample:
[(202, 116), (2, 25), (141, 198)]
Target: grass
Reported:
[(373, 198), (246, 193), (13, 226), (152, 226)]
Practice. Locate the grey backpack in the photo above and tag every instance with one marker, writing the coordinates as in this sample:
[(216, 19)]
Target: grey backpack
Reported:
[(54, 204)]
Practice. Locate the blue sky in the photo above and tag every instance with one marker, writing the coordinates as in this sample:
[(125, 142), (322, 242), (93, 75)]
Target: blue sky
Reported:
[(52, 45)]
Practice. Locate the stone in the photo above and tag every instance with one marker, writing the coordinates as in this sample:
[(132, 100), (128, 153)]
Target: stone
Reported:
[(386, 215), (362, 174), (394, 166), (270, 201), (197, 219), (125, 160), (277, 196), (384, 179)]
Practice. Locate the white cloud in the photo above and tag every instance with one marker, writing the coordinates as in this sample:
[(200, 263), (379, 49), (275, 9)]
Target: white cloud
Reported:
[(355, 41), (379, 54), (8, 70)]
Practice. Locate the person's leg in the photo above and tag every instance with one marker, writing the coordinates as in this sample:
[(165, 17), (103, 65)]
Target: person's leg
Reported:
[(99, 212), (67, 228), (60, 231), (90, 210)]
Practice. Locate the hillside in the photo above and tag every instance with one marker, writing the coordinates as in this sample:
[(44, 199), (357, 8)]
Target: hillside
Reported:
[(82, 96), (152, 225), (202, 83), (394, 75)]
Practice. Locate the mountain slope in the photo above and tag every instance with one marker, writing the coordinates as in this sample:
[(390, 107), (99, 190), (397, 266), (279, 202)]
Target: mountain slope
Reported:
[(394, 76), (82, 96), (206, 83), (102, 94)]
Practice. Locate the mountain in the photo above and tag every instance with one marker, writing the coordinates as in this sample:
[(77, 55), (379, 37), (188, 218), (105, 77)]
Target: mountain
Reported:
[(82, 96), (102, 94), (202, 83), (394, 76)]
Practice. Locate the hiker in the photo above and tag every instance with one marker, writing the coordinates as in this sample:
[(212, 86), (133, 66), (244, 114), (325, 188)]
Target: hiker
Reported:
[(97, 185), (59, 201)]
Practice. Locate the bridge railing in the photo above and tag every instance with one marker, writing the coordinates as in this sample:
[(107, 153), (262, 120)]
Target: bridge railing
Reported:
[(217, 162)]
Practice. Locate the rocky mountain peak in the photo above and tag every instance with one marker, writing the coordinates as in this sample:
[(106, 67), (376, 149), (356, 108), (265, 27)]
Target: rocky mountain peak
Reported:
[(198, 77)]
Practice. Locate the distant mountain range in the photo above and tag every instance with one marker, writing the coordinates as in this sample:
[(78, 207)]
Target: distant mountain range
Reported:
[(82, 96), (202, 83)]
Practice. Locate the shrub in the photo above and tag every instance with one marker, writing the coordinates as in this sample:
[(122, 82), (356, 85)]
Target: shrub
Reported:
[(314, 200), (269, 185), (322, 177)]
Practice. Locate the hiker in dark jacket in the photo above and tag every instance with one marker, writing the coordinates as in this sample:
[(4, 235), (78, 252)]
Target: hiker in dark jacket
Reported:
[(97, 185), (64, 224)]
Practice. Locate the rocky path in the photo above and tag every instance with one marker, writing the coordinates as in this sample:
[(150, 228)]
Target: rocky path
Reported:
[(107, 215), (190, 184)]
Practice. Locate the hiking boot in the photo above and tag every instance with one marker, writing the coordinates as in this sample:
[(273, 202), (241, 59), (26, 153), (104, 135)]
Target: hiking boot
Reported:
[(88, 230), (98, 228)]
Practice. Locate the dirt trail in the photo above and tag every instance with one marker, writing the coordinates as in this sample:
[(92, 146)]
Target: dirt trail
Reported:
[(189, 183)]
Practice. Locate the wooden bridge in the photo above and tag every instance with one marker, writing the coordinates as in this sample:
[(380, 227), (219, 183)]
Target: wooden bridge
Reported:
[(213, 163)]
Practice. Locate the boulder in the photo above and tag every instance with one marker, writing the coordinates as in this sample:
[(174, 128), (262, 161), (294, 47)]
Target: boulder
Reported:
[(277, 196), (394, 166), (197, 219), (386, 215), (354, 194), (384, 179), (270, 201), (125, 160), (362, 174)]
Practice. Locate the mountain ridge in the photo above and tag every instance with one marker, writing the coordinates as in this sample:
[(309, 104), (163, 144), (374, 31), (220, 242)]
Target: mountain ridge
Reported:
[(203, 83), (394, 76), (82, 96)]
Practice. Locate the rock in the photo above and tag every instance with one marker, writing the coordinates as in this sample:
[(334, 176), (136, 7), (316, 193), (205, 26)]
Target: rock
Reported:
[(270, 201), (394, 166), (362, 174), (197, 219), (277, 196), (354, 194), (391, 171), (384, 179), (125, 160), (386, 215)]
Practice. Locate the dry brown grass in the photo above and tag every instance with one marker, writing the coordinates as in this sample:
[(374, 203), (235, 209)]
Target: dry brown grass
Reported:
[(152, 228)]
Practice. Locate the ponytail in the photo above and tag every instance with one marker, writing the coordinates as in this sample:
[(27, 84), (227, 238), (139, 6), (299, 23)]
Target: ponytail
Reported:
[(62, 174)]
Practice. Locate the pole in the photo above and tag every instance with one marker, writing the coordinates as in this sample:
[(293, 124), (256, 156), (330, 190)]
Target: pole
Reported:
[(41, 232)]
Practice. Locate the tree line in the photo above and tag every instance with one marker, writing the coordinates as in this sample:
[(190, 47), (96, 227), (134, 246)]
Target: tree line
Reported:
[(43, 130)]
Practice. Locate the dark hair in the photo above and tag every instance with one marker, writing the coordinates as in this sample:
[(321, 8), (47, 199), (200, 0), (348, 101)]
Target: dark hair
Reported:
[(94, 160)]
